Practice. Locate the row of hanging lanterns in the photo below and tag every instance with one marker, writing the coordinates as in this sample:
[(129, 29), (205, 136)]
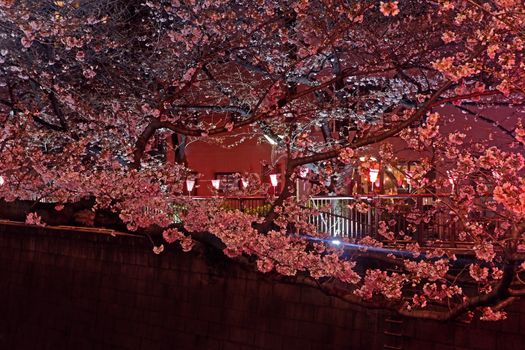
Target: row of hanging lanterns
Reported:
[(373, 175), (274, 180), (216, 183)]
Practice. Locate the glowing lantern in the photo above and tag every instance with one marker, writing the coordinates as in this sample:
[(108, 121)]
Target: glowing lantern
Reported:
[(374, 173), (273, 179), (244, 182), (2, 180), (216, 183), (190, 183)]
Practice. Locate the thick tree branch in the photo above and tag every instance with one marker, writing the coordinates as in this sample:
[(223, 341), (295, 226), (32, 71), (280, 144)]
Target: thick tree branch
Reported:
[(499, 293)]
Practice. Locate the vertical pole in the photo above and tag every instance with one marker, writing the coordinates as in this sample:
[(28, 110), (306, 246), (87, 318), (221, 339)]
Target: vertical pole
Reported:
[(420, 233)]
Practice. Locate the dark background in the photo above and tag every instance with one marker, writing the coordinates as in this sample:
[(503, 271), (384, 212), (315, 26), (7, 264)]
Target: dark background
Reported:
[(71, 290)]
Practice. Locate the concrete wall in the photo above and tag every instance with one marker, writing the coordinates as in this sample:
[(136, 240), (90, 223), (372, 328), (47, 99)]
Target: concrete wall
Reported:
[(64, 290)]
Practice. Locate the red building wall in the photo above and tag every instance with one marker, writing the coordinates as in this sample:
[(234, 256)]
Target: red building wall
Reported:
[(207, 157)]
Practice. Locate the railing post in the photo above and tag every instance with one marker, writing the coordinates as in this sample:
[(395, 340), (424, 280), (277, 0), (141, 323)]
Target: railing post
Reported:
[(369, 222), (421, 226)]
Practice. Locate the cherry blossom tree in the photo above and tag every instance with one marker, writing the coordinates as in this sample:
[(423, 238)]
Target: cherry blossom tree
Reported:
[(87, 86)]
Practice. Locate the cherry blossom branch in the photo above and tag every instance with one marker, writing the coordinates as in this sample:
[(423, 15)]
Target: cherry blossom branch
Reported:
[(375, 138), (499, 293), (492, 122), (155, 124)]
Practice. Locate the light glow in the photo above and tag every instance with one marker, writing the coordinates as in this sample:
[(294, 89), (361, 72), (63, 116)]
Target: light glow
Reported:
[(373, 175), (190, 183), (216, 183), (2, 180), (273, 179)]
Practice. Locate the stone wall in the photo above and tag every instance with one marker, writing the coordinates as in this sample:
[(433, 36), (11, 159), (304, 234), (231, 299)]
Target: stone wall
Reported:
[(70, 290)]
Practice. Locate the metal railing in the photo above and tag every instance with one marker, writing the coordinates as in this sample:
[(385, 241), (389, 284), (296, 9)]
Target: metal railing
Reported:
[(246, 204), (338, 219), (342, 217)]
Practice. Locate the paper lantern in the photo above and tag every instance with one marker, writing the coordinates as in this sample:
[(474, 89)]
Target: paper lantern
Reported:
[(273, 179), (190, 183), (374, 173)]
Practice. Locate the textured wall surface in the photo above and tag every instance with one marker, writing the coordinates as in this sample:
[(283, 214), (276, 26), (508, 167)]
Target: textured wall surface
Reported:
[(64, 290)]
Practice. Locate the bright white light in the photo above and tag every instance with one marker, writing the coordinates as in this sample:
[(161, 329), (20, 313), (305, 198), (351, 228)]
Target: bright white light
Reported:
[(2, 180), (189, 184), (336, 242), (273, 179), (244, 182), (216, 183), (373, 175), (270, 140)]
